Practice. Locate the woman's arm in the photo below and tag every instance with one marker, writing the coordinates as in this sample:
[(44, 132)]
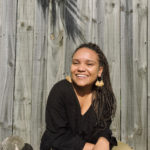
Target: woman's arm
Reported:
[(102, 144), (100, 134), (88, 146)]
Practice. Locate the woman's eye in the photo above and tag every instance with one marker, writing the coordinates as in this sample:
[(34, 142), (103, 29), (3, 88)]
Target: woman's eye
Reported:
[(75, 63), (90, 64)]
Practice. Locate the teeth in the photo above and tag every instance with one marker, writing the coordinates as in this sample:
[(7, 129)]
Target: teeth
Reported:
[(81, 75)]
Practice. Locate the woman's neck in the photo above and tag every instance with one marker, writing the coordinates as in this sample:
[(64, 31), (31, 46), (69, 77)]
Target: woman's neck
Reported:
[(82, 91)]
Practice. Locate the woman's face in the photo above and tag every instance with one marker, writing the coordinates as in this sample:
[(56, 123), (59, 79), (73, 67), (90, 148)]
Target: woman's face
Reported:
[(85, 67)]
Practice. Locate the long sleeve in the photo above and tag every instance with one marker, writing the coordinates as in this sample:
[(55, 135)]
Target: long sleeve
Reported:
[(106, 132), (58, 134)]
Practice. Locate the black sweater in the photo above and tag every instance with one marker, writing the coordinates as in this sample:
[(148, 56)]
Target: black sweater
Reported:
[(66, 128)]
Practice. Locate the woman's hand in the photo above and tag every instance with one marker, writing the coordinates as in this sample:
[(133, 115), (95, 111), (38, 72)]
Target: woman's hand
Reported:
[(102, 144), (88, 146)]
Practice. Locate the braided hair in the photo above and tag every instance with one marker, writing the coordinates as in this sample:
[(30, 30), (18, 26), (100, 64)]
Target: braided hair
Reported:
[(104, 101)]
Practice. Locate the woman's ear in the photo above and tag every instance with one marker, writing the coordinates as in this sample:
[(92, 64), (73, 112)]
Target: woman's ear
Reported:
[(100, 71)]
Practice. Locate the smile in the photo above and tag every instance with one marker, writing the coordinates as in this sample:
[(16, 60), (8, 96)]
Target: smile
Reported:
[(81, 75)]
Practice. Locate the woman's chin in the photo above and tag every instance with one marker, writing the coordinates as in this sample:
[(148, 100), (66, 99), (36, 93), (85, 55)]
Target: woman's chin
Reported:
[(82, 84)]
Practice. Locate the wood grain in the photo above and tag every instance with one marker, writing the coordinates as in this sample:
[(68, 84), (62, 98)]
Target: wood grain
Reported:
[(23, 74), (108, 18), (7, 65)]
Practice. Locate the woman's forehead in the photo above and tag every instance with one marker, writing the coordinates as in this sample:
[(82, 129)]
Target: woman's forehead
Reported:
[(85, 53)]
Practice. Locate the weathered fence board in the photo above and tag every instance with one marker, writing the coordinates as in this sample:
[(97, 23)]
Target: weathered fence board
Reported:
[(39, 76), (109, 24), (7, 64), (56, 51), (126, 70), (139, 103), (148, 69), (88, 15), (134, 76), (23, 75)]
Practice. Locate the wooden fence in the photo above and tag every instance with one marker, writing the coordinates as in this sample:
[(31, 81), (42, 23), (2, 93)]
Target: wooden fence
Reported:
[(34, 55)]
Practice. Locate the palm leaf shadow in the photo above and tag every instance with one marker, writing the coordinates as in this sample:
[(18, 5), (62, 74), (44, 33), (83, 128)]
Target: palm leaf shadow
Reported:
[(69, 14), (44, 4)]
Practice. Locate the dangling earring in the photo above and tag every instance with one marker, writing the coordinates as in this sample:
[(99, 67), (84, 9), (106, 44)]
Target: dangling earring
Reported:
[(99, 83), (68, 78)]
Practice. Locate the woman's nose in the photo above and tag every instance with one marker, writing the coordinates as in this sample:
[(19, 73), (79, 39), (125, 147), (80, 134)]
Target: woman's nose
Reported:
[(81, 68)]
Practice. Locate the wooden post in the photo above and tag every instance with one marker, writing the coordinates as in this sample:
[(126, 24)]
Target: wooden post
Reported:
[(126, 69), (148, 112), (8, 9), (23, 74), (109, 37), (134, 73), (39, 75)]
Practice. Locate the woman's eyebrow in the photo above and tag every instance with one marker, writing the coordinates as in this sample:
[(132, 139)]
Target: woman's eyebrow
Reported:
[(86, 60), (91, 61), (75, 59)]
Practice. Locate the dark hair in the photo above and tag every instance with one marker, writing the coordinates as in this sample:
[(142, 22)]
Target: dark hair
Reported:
[(104, 101)]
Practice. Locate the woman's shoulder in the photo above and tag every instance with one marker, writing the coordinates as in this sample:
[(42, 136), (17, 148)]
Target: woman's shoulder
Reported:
[(60, 91), (62, 86)]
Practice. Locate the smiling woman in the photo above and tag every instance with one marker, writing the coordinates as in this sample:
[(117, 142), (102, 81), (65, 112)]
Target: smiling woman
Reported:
[(79, 110), (85, 67)]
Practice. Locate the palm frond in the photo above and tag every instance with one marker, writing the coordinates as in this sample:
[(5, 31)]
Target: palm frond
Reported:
[(44, 4), (53, 13), (69, 15)]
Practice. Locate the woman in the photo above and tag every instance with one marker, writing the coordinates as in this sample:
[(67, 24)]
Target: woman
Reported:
[(79, 110)]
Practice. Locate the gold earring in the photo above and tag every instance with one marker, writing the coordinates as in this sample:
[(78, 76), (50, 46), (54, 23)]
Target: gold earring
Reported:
[(99, 83), (68, 78)]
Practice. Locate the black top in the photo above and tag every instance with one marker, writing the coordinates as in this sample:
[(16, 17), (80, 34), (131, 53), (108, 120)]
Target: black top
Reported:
[(66, 128)]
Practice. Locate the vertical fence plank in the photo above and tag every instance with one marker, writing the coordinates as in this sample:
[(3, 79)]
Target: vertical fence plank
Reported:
[(23, 75), (87, 9), (39, 77), (126, 71), (133, 73), (148, 117), (109, 38), (138, 135), (101, 22), (56, 49), (139, 74), (7, 64)]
